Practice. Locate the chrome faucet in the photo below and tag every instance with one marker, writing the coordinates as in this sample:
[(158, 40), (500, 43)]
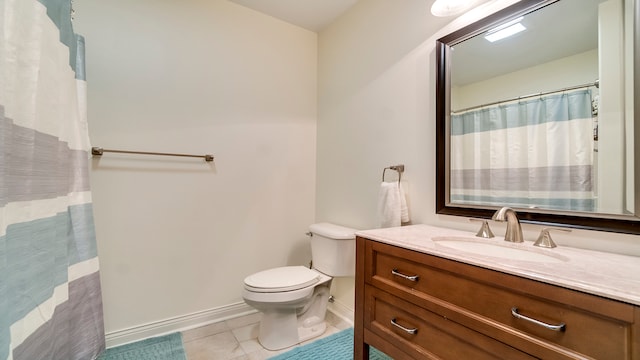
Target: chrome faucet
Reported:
[(514, 230)]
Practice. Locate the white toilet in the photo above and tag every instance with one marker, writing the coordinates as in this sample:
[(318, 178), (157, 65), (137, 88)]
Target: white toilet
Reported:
[(293, 299)]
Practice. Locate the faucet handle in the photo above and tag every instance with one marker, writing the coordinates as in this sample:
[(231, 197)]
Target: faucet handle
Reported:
[(485, 231), (544, 240)]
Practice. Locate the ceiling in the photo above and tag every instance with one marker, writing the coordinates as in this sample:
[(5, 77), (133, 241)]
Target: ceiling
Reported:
[(562, 29), (312, 15)]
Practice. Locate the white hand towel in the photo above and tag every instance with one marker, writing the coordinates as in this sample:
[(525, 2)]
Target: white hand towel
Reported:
[(392, 205), (404, 208)]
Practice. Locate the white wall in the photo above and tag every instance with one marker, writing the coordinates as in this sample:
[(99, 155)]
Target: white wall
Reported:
[(177, 236), (375, 113), (611, 124), (576, 70)]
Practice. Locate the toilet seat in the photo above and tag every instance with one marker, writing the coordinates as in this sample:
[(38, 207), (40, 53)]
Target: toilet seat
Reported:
[(281, 279)]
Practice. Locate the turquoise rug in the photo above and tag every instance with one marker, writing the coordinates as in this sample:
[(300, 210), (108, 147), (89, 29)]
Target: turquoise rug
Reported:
[(168, 347), (338, 346)]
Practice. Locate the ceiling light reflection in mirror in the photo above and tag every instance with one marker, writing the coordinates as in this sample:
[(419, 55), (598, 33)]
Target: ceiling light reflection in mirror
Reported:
[(504, 31)]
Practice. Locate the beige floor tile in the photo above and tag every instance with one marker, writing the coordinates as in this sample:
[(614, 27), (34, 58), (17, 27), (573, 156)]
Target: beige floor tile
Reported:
[(264, 354), (250, 346), (256, 355), (255, 351), (337, 321), (205, 331), (223, 346), (253, 346), (247, 332), (241, 357), (236, 339), (243, 321)]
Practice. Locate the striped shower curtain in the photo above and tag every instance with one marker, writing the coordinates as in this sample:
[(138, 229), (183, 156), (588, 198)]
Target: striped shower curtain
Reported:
[(532, 154), (50, 297)]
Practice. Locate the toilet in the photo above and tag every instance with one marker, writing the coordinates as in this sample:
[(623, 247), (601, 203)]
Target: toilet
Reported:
[(293, 299)]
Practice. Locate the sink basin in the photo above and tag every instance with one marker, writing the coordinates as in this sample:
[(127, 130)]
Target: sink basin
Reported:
[(508, 251)]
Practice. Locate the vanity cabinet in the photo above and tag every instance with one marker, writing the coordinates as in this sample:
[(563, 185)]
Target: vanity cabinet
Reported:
[(412, 305)]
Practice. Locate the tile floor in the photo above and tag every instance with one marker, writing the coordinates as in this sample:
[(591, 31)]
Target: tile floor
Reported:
[(236, 339)]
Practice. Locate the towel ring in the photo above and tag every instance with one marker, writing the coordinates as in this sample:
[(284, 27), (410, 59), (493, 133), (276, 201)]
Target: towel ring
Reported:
[(398, 168)]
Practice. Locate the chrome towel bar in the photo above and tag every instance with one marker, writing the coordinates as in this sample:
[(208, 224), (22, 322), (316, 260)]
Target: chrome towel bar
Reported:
[(99, 151)]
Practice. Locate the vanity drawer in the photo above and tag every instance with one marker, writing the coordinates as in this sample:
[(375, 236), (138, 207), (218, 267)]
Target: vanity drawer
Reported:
[(426, 334), (484, 300)]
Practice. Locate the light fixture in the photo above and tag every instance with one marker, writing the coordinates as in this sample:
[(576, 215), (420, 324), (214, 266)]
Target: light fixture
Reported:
[(505, 30), (444, 8)]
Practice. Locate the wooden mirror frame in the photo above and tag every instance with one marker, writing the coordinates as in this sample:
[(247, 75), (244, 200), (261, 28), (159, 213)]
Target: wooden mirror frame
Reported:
[(629, 224)]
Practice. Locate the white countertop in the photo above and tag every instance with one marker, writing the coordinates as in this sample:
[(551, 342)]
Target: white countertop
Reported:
[(605, 274)]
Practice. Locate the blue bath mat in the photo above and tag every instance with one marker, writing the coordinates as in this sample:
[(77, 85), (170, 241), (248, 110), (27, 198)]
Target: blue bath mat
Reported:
[(168, 347), (338, 346)]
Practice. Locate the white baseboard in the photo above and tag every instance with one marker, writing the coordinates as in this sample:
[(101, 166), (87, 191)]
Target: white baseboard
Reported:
[(178, 323), (200, 318)]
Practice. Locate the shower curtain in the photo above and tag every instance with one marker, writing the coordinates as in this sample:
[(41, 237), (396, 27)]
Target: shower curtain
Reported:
[(534, 153), (50, 296)]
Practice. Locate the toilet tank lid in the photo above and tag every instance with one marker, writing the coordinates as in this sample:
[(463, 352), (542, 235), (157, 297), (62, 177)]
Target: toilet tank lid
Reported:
[(333, 231)]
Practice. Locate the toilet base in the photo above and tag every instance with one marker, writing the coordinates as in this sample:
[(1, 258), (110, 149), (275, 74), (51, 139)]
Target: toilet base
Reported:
[(284, 334), (305, 334), (282, 328)]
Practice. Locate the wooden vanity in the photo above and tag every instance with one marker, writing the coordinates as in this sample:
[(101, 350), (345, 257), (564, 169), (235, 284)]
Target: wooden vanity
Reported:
[(411, 304)]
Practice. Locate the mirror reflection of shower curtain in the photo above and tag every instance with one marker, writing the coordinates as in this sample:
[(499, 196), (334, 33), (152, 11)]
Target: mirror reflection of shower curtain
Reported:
[(537, 153), (50, 292)]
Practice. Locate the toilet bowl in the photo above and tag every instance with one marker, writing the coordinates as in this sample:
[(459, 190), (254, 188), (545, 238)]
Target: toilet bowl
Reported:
[(293, 302), (293, 299)]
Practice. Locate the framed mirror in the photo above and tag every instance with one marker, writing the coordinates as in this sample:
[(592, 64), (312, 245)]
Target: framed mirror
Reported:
[(542, 120)]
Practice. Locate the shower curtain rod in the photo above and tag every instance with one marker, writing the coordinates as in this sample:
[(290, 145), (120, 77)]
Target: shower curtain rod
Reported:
[(595, 83), (99, 151)]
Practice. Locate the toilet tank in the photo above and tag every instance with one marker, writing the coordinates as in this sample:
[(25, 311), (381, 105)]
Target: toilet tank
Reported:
[(333, 249)]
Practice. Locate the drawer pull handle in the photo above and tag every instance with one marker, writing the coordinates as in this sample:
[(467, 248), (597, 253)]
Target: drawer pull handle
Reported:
[(559, 327), (408, 277), (410, 331)]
